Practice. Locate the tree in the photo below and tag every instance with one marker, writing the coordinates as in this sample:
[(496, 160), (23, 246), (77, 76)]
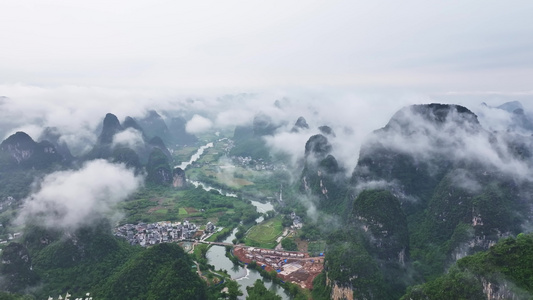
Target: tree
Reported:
[(289, 244), (233, 290), (259, 292)]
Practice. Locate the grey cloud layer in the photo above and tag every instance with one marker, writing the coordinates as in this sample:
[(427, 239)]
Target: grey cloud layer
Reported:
[(74, 198), (231, 45)]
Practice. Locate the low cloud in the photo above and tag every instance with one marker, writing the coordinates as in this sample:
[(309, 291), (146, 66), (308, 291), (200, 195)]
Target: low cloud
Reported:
[(198, 124), (459, 138), (78, 111), (74, 198), (130, 137)]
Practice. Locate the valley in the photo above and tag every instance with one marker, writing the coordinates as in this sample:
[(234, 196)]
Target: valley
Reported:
[(226, 208)]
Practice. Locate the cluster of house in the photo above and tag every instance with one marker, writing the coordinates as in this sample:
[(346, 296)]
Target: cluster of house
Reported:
[(162, 232), (6, 202), (10, 236), (274, 258), (257, 164), (296, 221)]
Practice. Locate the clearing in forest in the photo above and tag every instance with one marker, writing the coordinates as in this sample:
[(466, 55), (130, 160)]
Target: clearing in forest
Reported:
[(265, 234)]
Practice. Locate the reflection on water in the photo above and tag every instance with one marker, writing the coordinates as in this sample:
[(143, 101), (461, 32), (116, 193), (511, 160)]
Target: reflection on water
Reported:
[(216, 255), (208, 188)]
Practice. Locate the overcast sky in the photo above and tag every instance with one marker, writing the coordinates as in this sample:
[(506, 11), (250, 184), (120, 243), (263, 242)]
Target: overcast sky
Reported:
[(431, 46)]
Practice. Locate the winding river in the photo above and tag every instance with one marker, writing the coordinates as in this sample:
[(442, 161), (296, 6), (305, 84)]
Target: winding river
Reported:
[(216, 255)]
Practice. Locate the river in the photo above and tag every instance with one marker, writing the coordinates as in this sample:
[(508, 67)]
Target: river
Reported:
[(195, 156), (216, 255), (244, 276)]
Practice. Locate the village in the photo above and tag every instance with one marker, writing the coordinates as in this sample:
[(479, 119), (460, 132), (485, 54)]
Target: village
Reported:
[(163, 232), (296, 267), (290, 266)]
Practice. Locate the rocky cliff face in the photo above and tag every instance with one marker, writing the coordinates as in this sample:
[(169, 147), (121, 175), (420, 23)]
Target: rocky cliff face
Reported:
[(380, 216), (450, 192), (158, 169), (16, 268), (53, 136), (499, 291), (21, 151), (339, 292), (322, 177), (133, 148), (179, 180)]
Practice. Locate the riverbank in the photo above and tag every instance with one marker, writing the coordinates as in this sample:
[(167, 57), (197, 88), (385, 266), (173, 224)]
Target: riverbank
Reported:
[(294, 267)]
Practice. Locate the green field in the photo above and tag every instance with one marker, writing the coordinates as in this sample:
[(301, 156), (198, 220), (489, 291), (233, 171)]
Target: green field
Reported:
[(264, 235), (153, 204)]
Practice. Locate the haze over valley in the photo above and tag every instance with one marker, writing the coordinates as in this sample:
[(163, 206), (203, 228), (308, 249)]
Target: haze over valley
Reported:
[(239, 150)]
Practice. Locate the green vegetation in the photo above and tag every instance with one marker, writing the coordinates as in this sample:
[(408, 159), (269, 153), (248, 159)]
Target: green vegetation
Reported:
[(219, 236), (264, 235), (158, 168), (316, 247), (154, 203), (259, 292), (289, 244), (321, 290), (508, 266), (380, 211), (76, 264), (247, 143), (9, 296), (350, 264), (233, 290), (160, 272), (92, 260)]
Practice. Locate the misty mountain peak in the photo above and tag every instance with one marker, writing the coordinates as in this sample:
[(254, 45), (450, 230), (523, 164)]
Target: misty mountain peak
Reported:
[(21, 149), (409, 118), (154, 125), (152, 114), (519, 111), (301, 123), (326, 130), (21, 139), (511, 106), (111, 120), (130, 122), (52, 135), (111, 127), (263, 125), (318, 145)]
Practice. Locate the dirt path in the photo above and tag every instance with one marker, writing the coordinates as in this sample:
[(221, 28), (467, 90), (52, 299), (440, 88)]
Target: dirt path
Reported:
[(284, 234)]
